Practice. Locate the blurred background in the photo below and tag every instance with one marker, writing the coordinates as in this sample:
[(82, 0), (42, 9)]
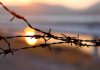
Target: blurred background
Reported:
[(70, 17)]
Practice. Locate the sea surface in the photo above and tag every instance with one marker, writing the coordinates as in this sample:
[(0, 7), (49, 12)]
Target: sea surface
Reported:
[(78, 24), (83, 24)]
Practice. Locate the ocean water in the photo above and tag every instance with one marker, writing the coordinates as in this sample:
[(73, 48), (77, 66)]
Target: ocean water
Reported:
[(78, 24), (82, 24)]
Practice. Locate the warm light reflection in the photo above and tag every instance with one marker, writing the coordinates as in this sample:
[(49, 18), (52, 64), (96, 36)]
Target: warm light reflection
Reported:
[(30, 32)]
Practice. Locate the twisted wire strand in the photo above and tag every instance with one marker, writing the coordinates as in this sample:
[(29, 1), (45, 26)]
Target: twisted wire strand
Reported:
[(46, 36)]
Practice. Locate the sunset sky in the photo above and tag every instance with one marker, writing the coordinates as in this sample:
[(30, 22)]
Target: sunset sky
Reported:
[(73, 4)]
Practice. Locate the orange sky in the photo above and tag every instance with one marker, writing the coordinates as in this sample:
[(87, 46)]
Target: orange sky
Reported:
[(74, 4)]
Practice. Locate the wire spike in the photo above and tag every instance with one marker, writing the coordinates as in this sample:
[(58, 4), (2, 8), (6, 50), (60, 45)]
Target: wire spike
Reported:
[(45, 40), (12, 18), (50, 30), (78, 36)]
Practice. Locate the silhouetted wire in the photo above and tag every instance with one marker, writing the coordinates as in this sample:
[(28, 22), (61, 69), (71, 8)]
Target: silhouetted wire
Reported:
[(46, 36)]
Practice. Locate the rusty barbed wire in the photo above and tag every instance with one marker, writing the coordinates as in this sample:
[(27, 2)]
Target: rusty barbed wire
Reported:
[(43, 45), (46, 36)]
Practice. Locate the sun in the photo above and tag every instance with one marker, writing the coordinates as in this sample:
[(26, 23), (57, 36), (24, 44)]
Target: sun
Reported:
[(30, 32)]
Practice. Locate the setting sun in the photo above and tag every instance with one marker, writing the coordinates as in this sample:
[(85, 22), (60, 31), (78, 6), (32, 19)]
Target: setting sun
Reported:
[(30, 32)]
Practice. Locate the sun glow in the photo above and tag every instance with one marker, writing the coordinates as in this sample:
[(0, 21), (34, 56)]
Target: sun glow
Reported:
[(79, 4), (16, 2), (72, 4), (30, 32)]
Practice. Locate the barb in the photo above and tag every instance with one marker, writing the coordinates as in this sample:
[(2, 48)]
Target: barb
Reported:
[(6, 51)]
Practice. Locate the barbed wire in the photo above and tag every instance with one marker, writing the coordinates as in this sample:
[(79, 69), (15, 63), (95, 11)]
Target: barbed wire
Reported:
[(46, 36)]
